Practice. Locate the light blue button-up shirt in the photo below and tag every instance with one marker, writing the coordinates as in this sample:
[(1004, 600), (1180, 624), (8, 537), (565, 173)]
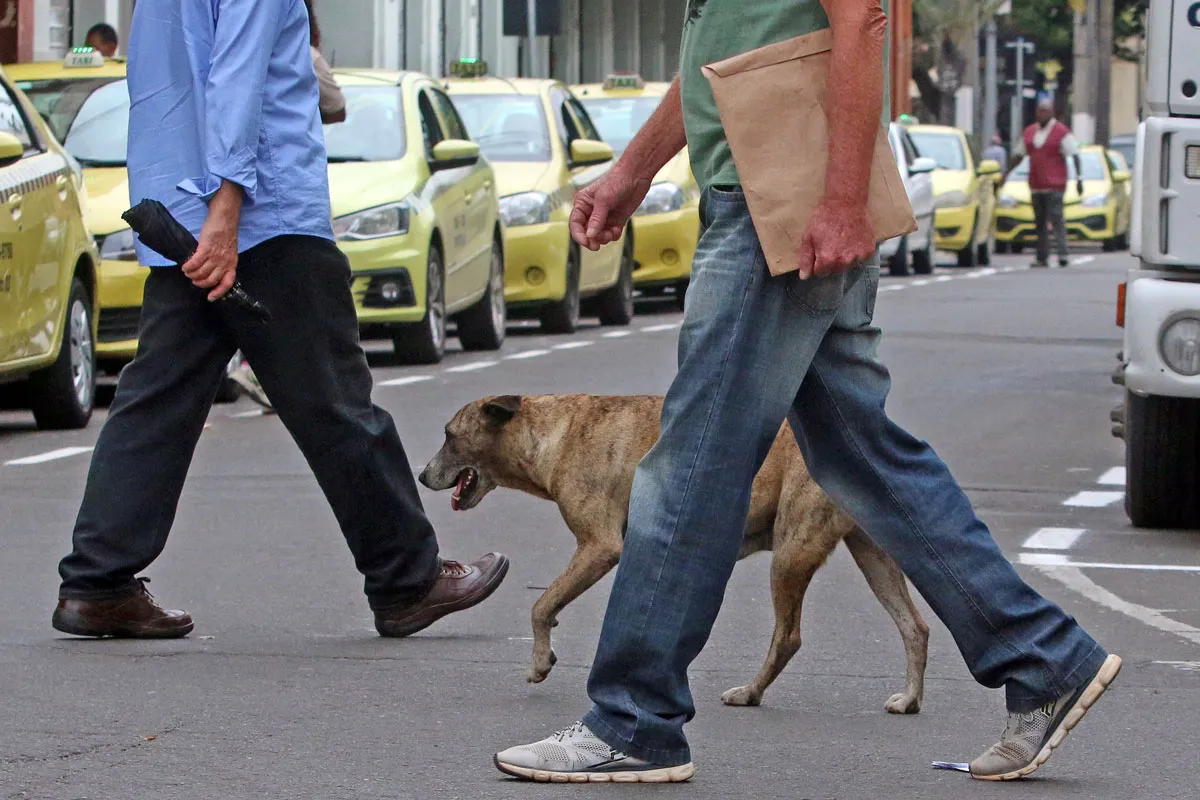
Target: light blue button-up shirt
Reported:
[(225, 89)]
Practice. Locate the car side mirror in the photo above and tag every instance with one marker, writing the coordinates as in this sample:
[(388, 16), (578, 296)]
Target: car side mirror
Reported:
[(586, 152), (454, 153), (988, 167), (11, 149), (1120, 176), (922, 165)]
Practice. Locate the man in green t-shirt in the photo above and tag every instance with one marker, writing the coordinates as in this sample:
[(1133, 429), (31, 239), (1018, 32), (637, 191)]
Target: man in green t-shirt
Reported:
[(753, 350)]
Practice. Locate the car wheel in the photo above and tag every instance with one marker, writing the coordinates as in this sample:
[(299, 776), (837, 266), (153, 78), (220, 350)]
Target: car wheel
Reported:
[(614, 305), (63, 395), (898, 262), (424, 342), (1162, 460), (562, 316), (969, 255), (228, 391), (681, 294), (1017, 248), (923, 260), (1001, 248), (483, 325)]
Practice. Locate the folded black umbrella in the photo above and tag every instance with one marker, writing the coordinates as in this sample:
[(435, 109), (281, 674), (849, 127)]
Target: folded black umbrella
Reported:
[(162, 233)]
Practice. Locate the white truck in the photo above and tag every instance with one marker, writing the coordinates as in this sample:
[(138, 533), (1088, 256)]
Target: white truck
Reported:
[(1159, 304)]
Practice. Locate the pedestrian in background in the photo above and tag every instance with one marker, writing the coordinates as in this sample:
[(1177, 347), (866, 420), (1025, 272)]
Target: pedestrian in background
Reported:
[(1049, 143), (995, 152), (753, 350), (245, 171), (102, 38)]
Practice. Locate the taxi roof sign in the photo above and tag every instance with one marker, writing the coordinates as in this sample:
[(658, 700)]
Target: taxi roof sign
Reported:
[(83, 57), (624, 80), (907, 120), (468, 68)]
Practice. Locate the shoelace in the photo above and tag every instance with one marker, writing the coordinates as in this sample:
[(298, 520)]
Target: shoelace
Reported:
[(453, 569), (142, 588), (571, 730)]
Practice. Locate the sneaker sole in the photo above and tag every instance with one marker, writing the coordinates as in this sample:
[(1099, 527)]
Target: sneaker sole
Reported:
[(75, 625), (1104, 678), (680, 774), (401, 630)]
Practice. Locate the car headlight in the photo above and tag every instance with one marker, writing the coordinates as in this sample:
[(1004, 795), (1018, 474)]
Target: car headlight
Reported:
[(1095, 200), (527, 208), (1180, 345), (952, 199), (118, 246), (1007, 201), (373, 223), (661, 199)]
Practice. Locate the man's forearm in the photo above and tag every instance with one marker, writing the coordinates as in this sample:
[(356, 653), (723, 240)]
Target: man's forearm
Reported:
[(659, 140), (854, 92)]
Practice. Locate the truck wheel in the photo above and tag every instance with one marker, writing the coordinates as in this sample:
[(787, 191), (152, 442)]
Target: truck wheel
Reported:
[(483, 325), (562, 316), (424, 342), (1162, 461), (63, 395), (614, 305)]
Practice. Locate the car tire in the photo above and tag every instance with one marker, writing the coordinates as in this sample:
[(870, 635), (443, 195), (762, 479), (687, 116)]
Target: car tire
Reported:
[(63, 395), (562, 316), (424, 342), (1162, 461), (228, 391), (484, 325), (898, 261), (614, 305), (1017, 249), (923, 260), (1001, 248), (969, 255), (681, 294)]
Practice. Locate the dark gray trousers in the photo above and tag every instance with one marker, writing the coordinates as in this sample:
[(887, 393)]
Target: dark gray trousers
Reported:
[(1048, 212), (310, 363)]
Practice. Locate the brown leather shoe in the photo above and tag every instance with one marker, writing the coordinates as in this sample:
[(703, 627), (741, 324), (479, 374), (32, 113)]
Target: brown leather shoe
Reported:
[(130, 616), (458, 587)]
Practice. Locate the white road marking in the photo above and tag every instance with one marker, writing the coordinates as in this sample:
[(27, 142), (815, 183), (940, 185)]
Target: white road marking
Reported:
[(527, 354), (1113, 477), (258, 412), (1082, 260), (1054, 538), (920, 282), (616, 334), (1094, 499), (53, 455), (943, 278), (520, 638), (1072, 578), (894, 288), (670, 326), (1186, 666), (574, 345), (473, 366), (1060, 560), (406, 380)]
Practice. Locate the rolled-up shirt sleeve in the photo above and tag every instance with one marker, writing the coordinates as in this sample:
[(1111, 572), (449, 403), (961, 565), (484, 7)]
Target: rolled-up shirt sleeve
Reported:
[(244, 37)]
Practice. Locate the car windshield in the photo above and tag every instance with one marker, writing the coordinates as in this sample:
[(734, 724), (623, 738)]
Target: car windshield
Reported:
[(619, 118), (944, 148), (89, 116), (508, 127), (1093, 168), (374, 126)]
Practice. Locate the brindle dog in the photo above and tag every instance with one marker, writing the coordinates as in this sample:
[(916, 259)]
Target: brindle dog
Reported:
[(580, 451)]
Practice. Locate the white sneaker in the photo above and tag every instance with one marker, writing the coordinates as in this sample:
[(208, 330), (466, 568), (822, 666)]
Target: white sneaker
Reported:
[(576, 755)]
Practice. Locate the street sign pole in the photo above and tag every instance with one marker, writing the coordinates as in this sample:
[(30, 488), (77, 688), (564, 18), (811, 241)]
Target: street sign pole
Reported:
[(531, 36)]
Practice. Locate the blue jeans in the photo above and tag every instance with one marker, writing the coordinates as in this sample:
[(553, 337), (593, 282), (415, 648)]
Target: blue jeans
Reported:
[(754, 349)]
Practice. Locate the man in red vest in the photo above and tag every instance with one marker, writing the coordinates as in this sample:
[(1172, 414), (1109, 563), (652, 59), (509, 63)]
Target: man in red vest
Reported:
[(1049, 143)]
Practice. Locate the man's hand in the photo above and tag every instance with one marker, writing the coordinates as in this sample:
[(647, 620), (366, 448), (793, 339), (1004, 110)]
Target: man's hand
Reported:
[(1079, 189), (214, 264), (838, 238), (603, 208)]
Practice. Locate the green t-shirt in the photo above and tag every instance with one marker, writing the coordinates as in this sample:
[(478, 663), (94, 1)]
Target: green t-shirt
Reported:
[(719, 29)]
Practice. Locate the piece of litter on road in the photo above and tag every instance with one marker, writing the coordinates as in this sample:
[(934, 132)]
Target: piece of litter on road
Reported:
[(149, 738), (957, 766)]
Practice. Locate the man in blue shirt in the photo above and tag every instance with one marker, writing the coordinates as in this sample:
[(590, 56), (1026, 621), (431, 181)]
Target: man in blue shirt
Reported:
[(224, 130)]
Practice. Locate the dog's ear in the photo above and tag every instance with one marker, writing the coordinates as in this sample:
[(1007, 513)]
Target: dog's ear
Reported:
[(500, 410)]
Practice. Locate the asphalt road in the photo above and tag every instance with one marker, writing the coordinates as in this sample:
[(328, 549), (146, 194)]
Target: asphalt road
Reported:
[(285, 691)]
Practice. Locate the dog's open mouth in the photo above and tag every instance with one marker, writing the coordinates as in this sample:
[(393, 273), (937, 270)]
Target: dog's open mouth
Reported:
[(468, 481)]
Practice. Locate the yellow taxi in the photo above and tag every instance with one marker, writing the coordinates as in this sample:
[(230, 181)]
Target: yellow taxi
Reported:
[(84, 101), (666, 226), (48, 275), (416, 211), (1102, 215), (544, 148), (964, 193)]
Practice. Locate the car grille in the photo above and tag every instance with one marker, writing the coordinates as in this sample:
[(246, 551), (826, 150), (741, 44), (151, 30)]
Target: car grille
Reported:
[(1006, 224), (372, 296), (119, 324), (1096, 222)]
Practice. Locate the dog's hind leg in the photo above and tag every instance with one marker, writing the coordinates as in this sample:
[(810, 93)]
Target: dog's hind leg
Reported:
[(890, 586), (792, 568), (590, 562)]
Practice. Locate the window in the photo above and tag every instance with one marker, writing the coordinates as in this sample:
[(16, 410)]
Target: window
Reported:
[(584, 121), (508, 127), (430, 127), (620, 118), (374, 126), (454, 124), (12, 120), (910, 149), (944, 148)]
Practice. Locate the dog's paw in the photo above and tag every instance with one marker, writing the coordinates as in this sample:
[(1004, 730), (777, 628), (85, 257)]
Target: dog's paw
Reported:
[(538, 672), (903, 703), (741, 696)]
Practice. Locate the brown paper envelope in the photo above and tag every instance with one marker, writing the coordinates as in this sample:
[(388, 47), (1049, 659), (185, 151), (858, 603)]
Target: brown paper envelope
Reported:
[(772, 106)]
